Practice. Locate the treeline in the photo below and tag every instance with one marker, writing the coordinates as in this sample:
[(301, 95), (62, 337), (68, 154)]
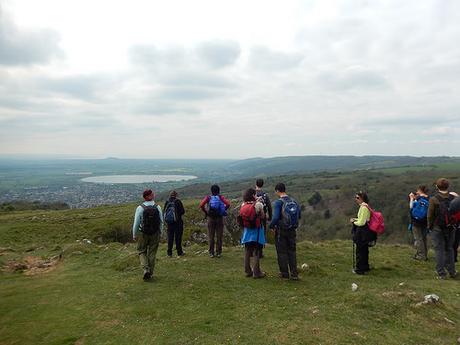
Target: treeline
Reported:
[(32, 205)]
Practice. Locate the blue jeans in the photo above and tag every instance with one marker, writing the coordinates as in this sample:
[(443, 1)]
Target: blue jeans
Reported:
[(443, 243)]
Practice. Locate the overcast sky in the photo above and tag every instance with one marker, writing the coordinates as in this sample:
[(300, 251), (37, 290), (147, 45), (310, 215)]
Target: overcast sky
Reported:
[(229, 79)]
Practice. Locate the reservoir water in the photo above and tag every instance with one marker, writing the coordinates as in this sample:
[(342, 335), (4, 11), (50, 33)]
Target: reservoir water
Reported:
[(110, 179)]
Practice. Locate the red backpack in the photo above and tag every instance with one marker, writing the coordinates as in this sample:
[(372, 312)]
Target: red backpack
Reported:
[(376, 222), (248, 216)]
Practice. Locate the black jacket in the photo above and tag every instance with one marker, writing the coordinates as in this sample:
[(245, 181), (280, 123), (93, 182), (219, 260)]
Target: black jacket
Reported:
[(180, 211)]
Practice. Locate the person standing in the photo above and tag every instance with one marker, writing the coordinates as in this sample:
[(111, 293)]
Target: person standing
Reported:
[(215, 207), (265, 200), (147, 227), (173, 212), (362, 235), (441, 230), (284, 223), (251, 218), (418, 204)]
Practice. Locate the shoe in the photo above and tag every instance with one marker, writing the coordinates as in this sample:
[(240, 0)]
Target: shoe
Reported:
[(359, 272), (249, 275), (211, 255), (454, 275), (219, 255), (295, 278), (439, 277), (147, 276), (181, 254), (169, 256), (283, 276), (262, 275)]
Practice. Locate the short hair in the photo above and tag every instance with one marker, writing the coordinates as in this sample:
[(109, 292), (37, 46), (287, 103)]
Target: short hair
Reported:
[(363, 196), (215, 189), (442, 183), (260, 182), (424, 189), (147, 193), (280, 187), (248, 194)]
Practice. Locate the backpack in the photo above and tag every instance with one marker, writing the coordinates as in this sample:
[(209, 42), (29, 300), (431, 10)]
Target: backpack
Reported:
[(263, 198), (445, 218), (419, 210), (454, 208), (376, 222), (170, 213), (289, 214), (151, 221), (216, 207), (248, 216)]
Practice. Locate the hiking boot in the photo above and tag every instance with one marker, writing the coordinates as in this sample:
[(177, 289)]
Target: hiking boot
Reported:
[(248, 275), (147, 276), (181, 254), (219, 255), (170, 256), (441, 277), (283, 276), (211, 255), (261, 275), (295, 278), (454, 275), (359, 272)]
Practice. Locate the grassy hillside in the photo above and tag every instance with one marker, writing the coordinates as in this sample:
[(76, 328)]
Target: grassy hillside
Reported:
[(55, 290)]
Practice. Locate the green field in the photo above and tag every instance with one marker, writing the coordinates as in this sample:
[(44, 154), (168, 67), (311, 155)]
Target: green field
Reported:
[(94, 293)]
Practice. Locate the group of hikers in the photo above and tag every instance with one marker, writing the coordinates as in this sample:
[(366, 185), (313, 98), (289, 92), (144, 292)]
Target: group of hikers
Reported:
[(438, 216)]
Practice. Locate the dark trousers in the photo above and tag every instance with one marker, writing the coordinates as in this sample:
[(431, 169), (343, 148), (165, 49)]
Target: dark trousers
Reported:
[(264, 224), (362, 236), (443, 243), (215, 229), (252, 250), (175, 231), (285, 243), (456, 243)]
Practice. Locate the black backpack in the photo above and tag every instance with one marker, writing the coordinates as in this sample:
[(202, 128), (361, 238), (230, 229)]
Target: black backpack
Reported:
[(151, 221), (444, 219)]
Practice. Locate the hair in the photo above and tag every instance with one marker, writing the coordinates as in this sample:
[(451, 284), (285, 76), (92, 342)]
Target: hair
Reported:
[(173, 194), (363, 196), (424, 189), (248, 195), (147, 193), (215, 189), (280, 187), (260, 182), (442, 184)]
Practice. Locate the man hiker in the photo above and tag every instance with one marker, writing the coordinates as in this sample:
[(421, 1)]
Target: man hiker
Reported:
[(215, 207), (265, 200), (419, 204), (285, 221), (173, 212), (441, 230), (148, 224)]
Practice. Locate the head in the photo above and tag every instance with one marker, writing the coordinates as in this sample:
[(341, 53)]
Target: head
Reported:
[(259, 183), (280, 189), (422, 190), (148, 195), (173, 194), (442, 184), (249, 195), (215, 189), (361, 197)]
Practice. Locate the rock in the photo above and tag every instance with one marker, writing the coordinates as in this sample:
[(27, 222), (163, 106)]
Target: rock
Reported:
[(77, 253), (432, 298), (305, 266), (458, 340), (401, 284), (449, 321), (85, 240), (354, 287)]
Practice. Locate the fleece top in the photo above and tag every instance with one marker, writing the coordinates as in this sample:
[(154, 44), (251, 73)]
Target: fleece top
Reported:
[(364, 215), (138, 216)]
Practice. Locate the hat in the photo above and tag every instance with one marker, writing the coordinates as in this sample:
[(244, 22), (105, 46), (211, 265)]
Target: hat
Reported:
[(147, 193)]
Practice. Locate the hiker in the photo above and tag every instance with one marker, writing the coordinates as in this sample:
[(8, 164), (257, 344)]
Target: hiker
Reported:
[(265, 200), (286, 215), (418, 204), (363, 237), (251, 218), (147, 227), (215, 207), (441, 230), (173, 212)]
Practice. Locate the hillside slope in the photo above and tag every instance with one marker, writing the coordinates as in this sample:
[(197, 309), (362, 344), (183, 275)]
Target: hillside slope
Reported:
[(87, 293)]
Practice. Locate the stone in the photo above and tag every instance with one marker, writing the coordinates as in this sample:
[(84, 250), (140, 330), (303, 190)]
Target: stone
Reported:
[(354, 287)]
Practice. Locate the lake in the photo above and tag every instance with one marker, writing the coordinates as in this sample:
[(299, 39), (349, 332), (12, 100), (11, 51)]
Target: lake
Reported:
[(110, 179)]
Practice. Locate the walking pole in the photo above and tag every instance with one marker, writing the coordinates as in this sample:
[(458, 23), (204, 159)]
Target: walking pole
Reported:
[(353, 256)]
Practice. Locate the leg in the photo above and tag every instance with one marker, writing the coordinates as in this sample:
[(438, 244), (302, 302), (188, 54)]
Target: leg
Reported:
[(440, 249), (247, 260), (450, 260), (292, 254), (219, 234), (170, 239), (281, 251), (154, 242), (256, 258), (362, 257), (142, 251), (425, 242), (179, 231), (417, 231), (211, 235), (456, 243)]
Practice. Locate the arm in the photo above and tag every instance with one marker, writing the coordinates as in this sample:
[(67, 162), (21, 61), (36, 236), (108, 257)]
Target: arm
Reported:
[(226, 202), (137, 221), (203, 204), (180, 208), (363, 216), (276, 214), (269, 209), (161, 217)]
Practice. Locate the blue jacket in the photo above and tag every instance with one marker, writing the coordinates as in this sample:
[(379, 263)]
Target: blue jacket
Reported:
[(253, 235), (277, 212)]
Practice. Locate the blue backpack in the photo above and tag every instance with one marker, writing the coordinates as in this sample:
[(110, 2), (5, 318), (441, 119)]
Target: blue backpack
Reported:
[(290, 212), (170, 213), (216, 207), (419, 209)]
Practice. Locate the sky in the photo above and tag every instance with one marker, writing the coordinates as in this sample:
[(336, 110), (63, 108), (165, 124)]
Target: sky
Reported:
[(229, 79)]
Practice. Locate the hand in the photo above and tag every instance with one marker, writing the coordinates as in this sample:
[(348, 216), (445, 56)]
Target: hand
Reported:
[(412, 196), (134, 238), (352, 220)]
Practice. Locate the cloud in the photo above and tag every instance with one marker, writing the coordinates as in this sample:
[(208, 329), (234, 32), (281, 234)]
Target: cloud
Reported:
[(263, 58), (219, 53), (353, 78), (20, 47)]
